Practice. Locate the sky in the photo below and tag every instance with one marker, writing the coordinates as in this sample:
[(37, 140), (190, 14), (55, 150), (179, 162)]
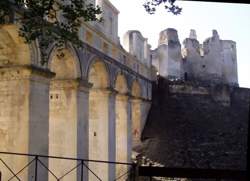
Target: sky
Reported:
[(232, 21)]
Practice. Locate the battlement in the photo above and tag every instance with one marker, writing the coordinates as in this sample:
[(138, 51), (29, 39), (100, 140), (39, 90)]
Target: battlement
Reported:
[(213, 60), (169, 36)]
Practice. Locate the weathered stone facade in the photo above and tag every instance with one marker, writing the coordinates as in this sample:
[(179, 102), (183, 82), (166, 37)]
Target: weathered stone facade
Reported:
[(86, 104), (213, 61), (93, 103)]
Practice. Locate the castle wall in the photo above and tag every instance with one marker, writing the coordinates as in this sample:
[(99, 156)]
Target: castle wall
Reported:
[(193, 62), (212, 57), (200, 125), (169, 54), (229, 68), (137, 45), (212, 61), (109, 26)]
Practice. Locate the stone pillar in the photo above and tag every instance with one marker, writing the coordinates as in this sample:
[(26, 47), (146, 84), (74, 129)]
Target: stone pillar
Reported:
[(99, 133), (136, 120), (83, 125), (68, 125), (24, 115), (121, 134), (112, 134), (129, 130)]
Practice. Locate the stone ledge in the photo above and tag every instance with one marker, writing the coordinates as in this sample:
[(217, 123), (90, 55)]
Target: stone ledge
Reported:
[(24, 72)]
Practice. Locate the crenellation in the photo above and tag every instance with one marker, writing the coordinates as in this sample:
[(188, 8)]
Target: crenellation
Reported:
[(168, 54), (214, 60)]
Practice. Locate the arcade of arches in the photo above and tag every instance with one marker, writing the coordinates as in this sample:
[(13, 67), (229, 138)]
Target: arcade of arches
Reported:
[(76, 106)]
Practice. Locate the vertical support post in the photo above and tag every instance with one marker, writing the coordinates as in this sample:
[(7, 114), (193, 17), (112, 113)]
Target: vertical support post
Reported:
[(134, 174), (81, 170), (150, 177), (248, 147), (36, 168)]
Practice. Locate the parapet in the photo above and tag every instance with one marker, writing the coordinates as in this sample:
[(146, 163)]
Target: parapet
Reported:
[(214, 60), (169, 36), (137, 45)]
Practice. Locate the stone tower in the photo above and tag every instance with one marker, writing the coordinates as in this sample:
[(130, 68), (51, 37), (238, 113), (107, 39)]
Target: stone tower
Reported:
[(167, 57)]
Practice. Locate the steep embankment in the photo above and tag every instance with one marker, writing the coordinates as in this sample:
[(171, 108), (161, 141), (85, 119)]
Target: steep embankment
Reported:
[(196, 130)]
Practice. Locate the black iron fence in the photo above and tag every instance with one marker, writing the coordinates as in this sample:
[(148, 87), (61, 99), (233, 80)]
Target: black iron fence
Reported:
[(133, 172), (193, 173), (36, 163)]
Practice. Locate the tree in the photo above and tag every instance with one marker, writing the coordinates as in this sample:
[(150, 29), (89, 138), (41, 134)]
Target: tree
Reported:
[(151, 5), (49, 21), (58, 21)]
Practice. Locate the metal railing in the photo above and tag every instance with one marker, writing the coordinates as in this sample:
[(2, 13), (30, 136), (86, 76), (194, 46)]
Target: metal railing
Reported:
[(38, 162), (192, 173)]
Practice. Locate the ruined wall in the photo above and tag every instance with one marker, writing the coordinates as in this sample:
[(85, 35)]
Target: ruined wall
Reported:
[(109, 26), (212, 61), (138, 46), (168, 54)]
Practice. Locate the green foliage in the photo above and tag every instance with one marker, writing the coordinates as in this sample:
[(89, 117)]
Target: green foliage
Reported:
[(58, 21), (151, 5), (50, 21)]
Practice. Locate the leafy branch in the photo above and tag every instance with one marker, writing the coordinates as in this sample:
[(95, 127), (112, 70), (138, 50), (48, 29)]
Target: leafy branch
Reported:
[(151, 5), (50, 21)]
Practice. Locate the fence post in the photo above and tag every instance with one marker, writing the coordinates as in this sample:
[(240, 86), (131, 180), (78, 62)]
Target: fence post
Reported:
[(248, 146), (134, 171), (150, 177), (81, 170), (36, 163)]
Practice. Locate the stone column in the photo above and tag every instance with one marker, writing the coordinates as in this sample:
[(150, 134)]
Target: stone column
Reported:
[(99, 132), (112, 133), (68, 125), (83, 125), (136, 104), (129, 131), (121, 134), (24, 115)]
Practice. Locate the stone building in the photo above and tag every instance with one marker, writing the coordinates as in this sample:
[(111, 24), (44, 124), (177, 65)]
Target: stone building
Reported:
[(93, 103), (90, 103), (214, 60)]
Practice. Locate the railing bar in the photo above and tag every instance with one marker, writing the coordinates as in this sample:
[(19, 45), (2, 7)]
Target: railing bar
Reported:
[(69, 171), (10, 169), (36, 168), (191, 173), (65, 158), (126, 173), (47, 168), (21, 169), (92, 171), (81, 170)]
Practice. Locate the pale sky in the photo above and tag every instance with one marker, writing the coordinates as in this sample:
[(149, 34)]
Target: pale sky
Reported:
[(232, 21)]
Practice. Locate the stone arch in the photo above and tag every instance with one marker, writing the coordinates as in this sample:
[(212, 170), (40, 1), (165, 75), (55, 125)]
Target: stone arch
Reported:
[(136, 112), (121, 83), (64, 115), (98, 76), (136, 89), (66, 66), (13, 49)]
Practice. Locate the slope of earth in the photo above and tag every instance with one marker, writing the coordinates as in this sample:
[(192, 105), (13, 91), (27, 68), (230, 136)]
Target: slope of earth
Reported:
[(196, 130)]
